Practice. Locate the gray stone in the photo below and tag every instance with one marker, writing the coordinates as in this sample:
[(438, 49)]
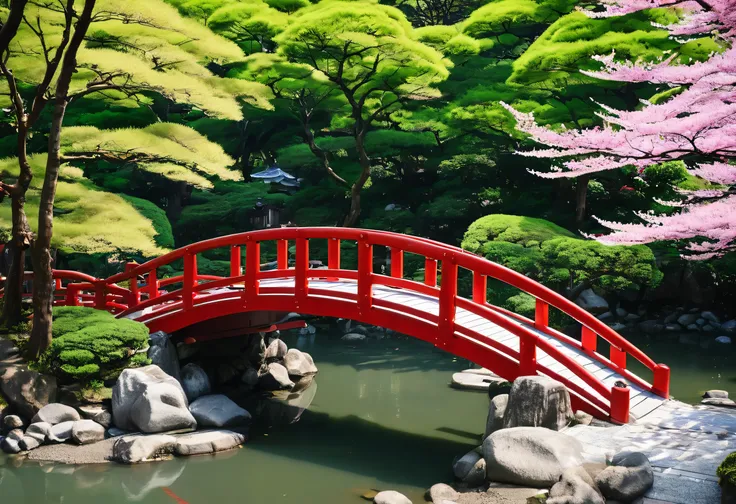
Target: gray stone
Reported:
[(390, 497), (629, 476), (470, 469), (351, 337), (56, 413), (275, 351), (474, 381), (673, 327), (605, 316), (61, 432), (693, 327), (651, 327), (39, 430), (592, 302), (442, 492), (583, 418), (538, 401), (721, 403), (11, 422), (496, 411), (10, 445), (87, 432), (671, 318), (530, 456), (163, 354), (701, 322), (250, 377), (299, 363), (29, 443), (149, 400), (723, 340), (194, 381), (198, 443), (186, 351), (716, 394), (27, 391), (708, 328), (617, 326), (687, 319), (98, 413), (496, 388), (620, 312), (632, 317), (136, 448), (710, 317), (218, 411), (575, 487), (729, 326), (276, 377)]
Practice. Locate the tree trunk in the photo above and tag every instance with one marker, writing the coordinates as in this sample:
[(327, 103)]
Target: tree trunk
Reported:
[(365, 164), (43, 279), (581, 195)]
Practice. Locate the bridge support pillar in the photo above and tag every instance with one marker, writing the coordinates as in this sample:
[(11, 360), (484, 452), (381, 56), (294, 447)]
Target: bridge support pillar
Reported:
[(620, 403), (661, 385), (527, 356)]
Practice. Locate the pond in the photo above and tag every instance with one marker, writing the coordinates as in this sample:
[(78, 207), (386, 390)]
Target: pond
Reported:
[(382, 417)]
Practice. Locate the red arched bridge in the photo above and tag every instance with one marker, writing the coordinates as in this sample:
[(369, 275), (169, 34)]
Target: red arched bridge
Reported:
[(504, 342)]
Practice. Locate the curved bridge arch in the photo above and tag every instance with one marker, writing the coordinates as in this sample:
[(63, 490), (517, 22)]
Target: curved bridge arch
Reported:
[(508, 344)]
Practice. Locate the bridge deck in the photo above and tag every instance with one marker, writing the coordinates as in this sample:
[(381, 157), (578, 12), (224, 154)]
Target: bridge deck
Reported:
[(642, 402)]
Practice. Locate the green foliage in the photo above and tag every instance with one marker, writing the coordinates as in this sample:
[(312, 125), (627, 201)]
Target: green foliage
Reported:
[(727, 470), (525, 231), (88, 344), (164, 236)]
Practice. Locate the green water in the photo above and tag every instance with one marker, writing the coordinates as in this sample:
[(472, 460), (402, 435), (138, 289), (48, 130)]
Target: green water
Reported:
[(382, 416)]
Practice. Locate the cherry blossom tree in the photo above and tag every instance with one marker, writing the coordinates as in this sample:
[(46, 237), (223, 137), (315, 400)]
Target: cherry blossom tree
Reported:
[(696, 124)]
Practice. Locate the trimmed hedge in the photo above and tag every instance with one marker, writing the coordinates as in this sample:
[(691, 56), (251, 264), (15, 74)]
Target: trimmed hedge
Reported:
[(90, 344), (727, 470)]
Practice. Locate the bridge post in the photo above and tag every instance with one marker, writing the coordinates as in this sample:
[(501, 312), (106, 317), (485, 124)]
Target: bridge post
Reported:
[(252, 268), (282, 254), (620, 404), (100, 297), (397, 263), (333, 253), (190, 279), (541, 314), (365, 275), (301, 281), (448, 295), (618, 357), (527, 354), (589, 339), (480, 288), (135, 293), (430, 272), (236, 268), (71, 296), (661, 380), (152, 286)]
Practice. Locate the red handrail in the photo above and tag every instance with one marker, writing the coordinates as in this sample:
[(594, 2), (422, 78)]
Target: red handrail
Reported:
[(108, 295)]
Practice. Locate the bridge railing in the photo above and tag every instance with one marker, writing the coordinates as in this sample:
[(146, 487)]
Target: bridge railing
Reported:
[(153, 297)]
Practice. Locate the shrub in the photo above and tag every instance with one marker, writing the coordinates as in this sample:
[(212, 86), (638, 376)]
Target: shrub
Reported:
[(727, 470), (90, 344)]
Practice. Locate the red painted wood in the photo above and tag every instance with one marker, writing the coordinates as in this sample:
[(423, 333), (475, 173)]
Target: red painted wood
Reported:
[(618, 357), (236, 268), (252, 269), (282, 254), (661, 381), (620, 404), (430, 272), (541, 314), (448, 295), (365, 275), (589, 339), (333, 253), (397, 263), (480, 288)]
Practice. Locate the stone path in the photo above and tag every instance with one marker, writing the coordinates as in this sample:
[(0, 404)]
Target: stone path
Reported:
[(684, 443)]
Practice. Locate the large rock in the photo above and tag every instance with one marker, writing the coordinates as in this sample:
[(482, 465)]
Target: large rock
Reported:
[(61, 432), (149, 400), (496, 412), (710, 317), (575, 487), (218, 411), (194, 381), (299, 363), (530, 456), (275, 351), (56, 413), (353, 337), (198, 443), (628, 477), (592, 302), (11, 422), (723, 403), (163, 353), (276, 377), (441, 492), (729, 327), (715, 394), (11, 442), (27, 391), (98, 413), (29, 443), (470, 469), (538, 401), (87, 432), (39, 430), (136, 448), (724, 340), (390, 497), (687, 319)]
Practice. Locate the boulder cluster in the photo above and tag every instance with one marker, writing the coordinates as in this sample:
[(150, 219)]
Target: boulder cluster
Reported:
[(526, 456), (157, 409)]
